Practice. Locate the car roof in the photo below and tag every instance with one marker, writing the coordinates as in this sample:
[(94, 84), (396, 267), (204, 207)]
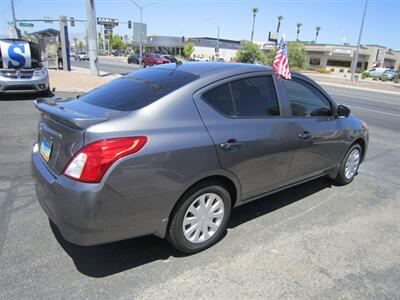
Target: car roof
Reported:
[(202, 69)]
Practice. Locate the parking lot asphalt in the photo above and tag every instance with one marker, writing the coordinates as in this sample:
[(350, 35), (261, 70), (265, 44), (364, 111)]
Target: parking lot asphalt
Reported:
[(313, 241)]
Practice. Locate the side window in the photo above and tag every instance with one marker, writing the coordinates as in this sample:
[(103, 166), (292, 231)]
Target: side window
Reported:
[(255, 97), (220, 98), (306, 100)]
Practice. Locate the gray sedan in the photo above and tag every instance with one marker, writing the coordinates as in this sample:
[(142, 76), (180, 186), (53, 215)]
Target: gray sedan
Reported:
[(171, 149)]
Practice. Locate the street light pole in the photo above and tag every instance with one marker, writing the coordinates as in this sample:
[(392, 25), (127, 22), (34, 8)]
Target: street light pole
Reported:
[(92, 36), (355, 62), (141, 27), (14, 33)]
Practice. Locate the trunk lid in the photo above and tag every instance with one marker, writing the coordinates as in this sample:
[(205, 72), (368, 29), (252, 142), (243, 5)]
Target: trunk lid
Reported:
[(62, 127)]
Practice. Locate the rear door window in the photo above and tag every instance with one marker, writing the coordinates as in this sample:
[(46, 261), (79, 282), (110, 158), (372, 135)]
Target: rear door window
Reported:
[(138, 89), (247, 97), (220, 99), (255, 97)]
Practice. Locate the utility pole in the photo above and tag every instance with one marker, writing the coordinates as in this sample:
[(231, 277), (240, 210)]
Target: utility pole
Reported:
[(92, 37), (13, 33), (355, 62), (217, 49)]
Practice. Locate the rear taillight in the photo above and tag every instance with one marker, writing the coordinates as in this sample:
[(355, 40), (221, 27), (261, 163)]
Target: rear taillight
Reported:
[(91, 162)]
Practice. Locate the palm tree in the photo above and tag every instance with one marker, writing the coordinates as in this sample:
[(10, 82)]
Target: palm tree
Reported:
[(317, 29), (255, 10), (298, 30), (75, 40), (280, 18)]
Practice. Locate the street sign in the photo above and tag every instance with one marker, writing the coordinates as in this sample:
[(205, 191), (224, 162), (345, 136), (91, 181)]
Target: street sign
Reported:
[(26, 24), (273, 36), (108, 29), (48, 19), (139, 28), (107, 21)]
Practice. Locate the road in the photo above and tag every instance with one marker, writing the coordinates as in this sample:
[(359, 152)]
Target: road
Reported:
[(314, 241), (115, 65)]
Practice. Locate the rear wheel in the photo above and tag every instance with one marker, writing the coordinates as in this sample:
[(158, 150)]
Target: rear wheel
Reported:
[(349, 166), (200, 218)]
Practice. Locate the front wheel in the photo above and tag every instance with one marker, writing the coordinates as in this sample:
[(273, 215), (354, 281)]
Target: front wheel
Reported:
[(201, 217), (349, 166)]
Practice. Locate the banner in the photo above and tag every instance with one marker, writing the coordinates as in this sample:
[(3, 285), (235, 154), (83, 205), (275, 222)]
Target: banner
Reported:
[(15, 54)]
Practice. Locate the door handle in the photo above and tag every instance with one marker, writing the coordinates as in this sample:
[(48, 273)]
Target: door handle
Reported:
[(231, 145), (305, 135)]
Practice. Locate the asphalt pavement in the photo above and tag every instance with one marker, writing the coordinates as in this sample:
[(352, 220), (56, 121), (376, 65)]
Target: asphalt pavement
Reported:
[(313, 241)]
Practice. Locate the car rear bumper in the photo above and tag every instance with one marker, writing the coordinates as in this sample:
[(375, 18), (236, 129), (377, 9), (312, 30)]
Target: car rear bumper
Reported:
[(89, 214), (29, 85)]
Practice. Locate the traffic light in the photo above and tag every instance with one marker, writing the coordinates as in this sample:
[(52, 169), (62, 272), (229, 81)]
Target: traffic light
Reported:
[(72, 20), (129, 24)]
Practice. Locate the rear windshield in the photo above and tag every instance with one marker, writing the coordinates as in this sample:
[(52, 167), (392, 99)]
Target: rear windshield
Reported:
[(138, 89)]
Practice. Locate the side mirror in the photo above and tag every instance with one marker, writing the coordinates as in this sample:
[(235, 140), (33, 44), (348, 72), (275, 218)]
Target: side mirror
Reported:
[(342, 111)]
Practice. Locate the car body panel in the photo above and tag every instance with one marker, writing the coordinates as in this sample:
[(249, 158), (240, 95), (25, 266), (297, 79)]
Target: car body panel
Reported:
[(138, 192)]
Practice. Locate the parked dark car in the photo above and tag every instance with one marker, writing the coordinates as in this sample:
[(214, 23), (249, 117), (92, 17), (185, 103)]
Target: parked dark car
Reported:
[(170, 150), (133, 59), (153, 59)]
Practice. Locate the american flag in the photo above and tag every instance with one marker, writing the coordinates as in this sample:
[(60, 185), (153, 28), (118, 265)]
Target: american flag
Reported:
[(281, 64)]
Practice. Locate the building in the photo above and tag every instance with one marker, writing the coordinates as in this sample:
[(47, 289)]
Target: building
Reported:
[(336, 57), (205, 48)]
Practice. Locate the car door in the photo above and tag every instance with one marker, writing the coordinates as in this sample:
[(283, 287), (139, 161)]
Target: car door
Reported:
[(314, 126), (244, 119)]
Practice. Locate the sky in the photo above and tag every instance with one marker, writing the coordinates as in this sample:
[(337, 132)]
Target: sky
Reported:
[(191, 18)]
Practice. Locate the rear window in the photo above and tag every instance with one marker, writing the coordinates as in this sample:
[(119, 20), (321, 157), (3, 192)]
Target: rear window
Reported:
[(138, 89)]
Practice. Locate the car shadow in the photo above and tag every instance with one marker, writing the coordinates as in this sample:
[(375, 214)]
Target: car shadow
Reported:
[(108, 259), (24, 97)]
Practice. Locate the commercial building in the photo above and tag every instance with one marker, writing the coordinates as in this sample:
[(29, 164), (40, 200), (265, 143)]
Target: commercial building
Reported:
[(205, 48), (338, 57)]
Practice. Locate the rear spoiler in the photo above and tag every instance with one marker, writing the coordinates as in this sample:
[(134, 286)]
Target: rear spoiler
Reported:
[(52, 107)]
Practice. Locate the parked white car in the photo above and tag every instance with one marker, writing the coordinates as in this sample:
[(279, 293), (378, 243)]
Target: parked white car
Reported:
[(377, 72)]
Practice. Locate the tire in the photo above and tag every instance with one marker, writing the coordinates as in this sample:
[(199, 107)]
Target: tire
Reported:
[(216, 198), (346, 176)]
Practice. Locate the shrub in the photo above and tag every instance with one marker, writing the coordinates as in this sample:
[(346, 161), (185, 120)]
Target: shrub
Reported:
[(384, 78), (297, 55), (348, 71), (364, 74), (332, 70), (375, 79), (323, 70), (397, 80), (341, 70), (295, 68), (250, 53)]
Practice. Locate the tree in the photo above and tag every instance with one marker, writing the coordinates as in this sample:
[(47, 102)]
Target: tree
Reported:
[(80, 45), (298, 30), (296, 55), (280, 18), (317, 29), (255, 10), (188, 50), (116, 42), (99, 41), (75, 41), (250, 53)]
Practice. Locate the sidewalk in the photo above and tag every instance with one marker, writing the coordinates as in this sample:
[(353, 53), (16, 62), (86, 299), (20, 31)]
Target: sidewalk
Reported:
[(360, 84), (78, 80)]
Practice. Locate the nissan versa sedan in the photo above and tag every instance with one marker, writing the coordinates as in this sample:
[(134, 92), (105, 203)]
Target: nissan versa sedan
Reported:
[(170, 150)]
